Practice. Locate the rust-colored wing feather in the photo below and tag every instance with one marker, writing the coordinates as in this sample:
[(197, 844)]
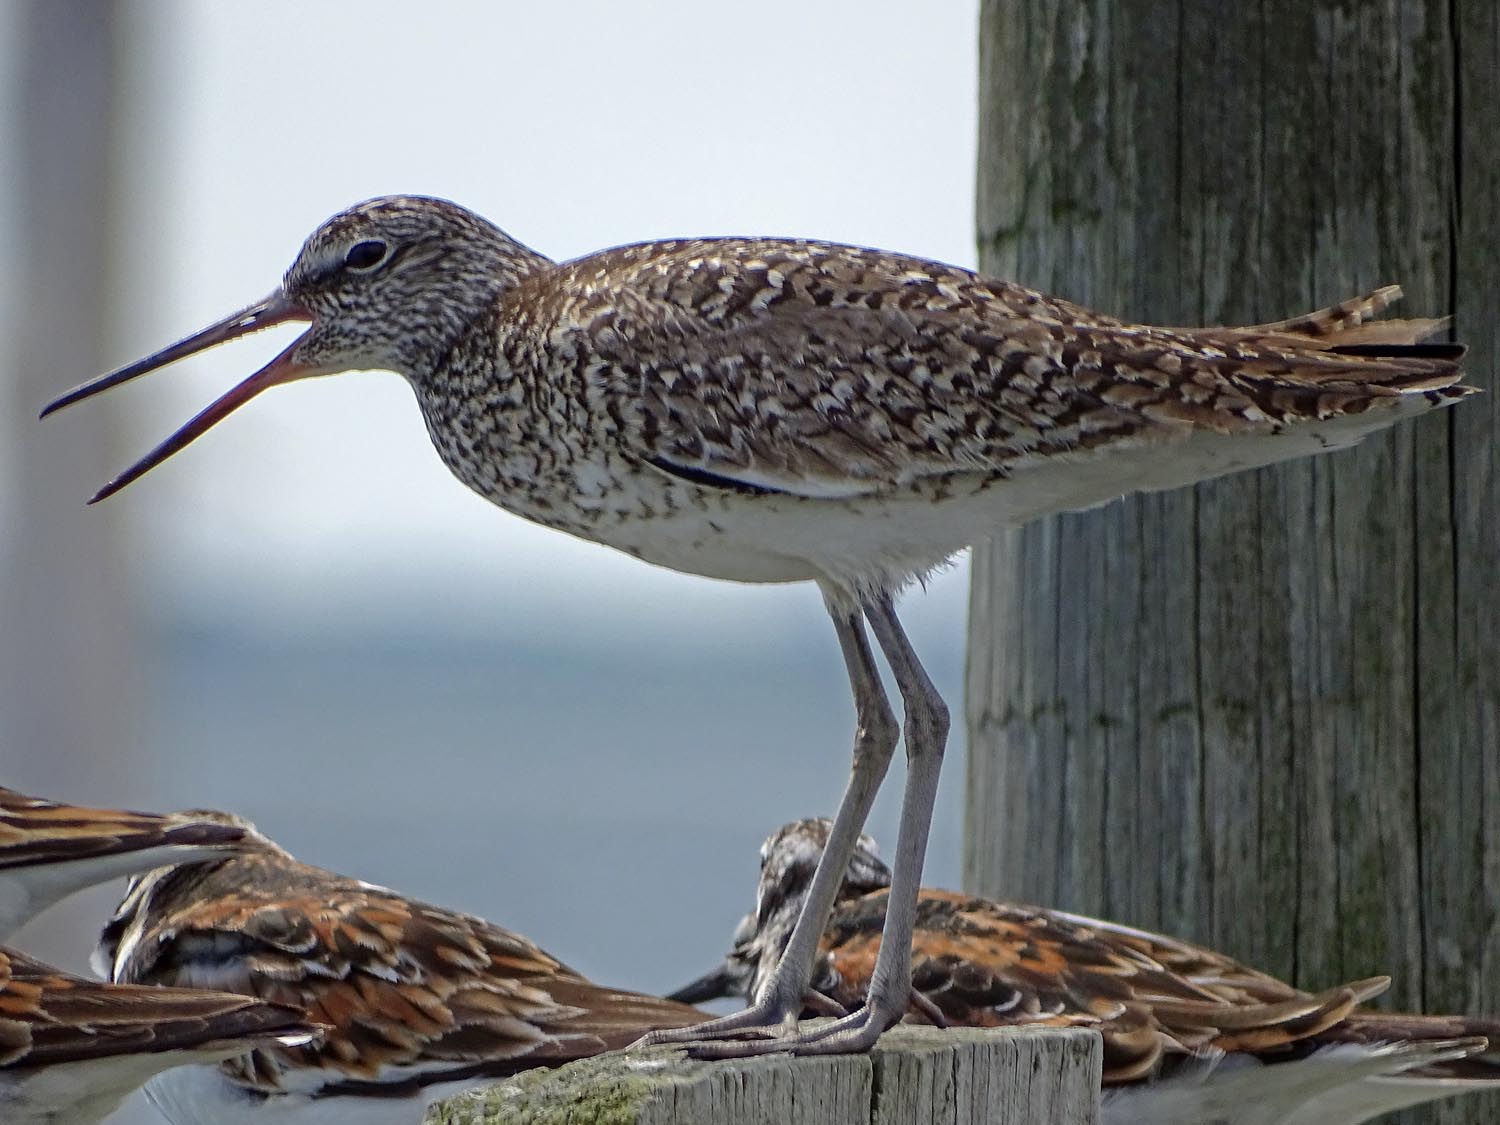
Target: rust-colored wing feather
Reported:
[(985, 963), (411, 993)]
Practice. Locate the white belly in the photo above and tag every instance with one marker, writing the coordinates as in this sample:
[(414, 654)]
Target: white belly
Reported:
[(857, 545)]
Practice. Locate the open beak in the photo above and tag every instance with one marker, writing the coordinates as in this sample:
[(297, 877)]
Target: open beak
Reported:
[(275, 309)]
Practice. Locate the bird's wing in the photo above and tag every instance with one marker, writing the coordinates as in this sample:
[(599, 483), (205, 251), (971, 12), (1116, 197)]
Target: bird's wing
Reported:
[(49, 1017), (985, 963), (823, 371), (411, 994), (34, 832)]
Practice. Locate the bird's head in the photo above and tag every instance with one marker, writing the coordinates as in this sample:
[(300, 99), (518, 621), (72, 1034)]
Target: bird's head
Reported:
[(788, 859), (389, 284), (791, 855)]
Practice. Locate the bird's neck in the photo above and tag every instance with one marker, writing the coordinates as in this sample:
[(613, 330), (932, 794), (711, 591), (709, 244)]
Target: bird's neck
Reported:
[(468, 306)]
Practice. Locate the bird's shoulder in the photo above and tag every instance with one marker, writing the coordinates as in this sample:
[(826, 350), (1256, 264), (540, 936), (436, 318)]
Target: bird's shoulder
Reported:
[(762, 287)]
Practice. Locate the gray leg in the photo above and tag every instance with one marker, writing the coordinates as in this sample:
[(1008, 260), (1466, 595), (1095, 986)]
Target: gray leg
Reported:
[(926, 734), (781, 998)]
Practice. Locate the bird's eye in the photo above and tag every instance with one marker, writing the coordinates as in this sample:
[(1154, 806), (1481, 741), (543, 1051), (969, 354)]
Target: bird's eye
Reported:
[(366, 255)]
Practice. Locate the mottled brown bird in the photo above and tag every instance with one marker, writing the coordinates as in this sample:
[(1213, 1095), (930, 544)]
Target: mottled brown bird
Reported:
[(71, 1049), (1190, 1035), (417, 1001), (778, 410), (50, 850)]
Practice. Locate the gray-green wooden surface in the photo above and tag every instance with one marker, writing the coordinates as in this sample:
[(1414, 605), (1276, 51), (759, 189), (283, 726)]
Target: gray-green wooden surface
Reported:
[(1263, 712)]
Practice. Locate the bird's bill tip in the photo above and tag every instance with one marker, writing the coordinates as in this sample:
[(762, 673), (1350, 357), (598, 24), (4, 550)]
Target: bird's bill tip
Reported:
[(278, 308), (715, 984), (283, 369)]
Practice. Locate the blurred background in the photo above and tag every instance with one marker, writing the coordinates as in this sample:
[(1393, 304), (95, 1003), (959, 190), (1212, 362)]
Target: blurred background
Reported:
[(304, 618)]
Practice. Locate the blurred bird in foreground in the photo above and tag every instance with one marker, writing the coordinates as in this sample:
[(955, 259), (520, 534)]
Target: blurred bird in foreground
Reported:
[(71, 1049), (418, 1002), (782, 410), (1189, 1034), (48, 850)]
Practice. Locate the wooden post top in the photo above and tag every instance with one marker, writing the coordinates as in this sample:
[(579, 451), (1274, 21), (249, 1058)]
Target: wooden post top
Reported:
[(915, 1076)]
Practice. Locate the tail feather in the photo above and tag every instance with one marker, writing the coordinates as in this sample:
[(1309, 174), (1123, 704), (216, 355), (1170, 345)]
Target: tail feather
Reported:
[(1388, 357), (1403, 351), (1479, 1062), (1352, 322)]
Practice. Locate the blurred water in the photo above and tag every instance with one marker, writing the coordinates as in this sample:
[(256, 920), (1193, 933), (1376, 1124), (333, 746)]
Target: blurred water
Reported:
[(604, 797)]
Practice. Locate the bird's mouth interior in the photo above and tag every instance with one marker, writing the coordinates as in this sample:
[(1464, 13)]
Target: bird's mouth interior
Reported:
[(275, 309)]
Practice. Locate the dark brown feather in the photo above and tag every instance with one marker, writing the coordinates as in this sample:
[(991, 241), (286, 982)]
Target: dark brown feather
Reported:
[(48, 1017), (34, 831)]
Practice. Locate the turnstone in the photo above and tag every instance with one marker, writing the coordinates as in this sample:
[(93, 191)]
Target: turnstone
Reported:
[(786, 410), (418, 1001), (49, 850), (1190, 1035), (72, 1049)]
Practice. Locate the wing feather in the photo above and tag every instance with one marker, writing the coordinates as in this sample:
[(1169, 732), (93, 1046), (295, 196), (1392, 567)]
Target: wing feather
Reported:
[(411, 993), (831, 371)]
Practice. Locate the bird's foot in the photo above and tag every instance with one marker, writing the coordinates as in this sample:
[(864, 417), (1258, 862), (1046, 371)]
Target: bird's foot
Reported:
[(851, 1034), (769, 1027), (764, 1019)]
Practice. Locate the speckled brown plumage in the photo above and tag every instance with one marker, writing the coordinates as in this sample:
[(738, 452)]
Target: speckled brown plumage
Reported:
[(660, 397), (778, 410)]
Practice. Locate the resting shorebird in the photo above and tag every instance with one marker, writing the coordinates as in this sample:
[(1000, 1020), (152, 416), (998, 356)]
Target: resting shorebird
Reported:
[(72, 1049), (418, 1002), (48, 851), (1189, 1035), (770, 410)]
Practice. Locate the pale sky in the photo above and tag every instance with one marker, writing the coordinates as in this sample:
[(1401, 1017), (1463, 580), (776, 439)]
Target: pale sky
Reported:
[(573, 125)]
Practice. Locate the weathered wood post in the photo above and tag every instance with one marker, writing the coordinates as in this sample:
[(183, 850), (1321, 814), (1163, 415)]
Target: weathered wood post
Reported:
[(1263, 712), (915, 1076)]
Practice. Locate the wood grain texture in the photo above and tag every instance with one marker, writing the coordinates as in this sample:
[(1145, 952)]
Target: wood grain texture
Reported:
[(916, 1074), (1262, 713)]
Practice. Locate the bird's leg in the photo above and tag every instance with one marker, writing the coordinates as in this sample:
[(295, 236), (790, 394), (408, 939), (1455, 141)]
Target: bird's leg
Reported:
[(926, 733), (780, 999)]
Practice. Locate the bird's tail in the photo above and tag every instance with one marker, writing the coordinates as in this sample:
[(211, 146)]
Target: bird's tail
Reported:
[(1345, 362), (1480, 1061), (1350, 327)]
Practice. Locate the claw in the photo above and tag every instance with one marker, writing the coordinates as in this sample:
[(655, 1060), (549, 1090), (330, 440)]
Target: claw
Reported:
[(923, 1004), (766, 1018), (824, 1005)]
